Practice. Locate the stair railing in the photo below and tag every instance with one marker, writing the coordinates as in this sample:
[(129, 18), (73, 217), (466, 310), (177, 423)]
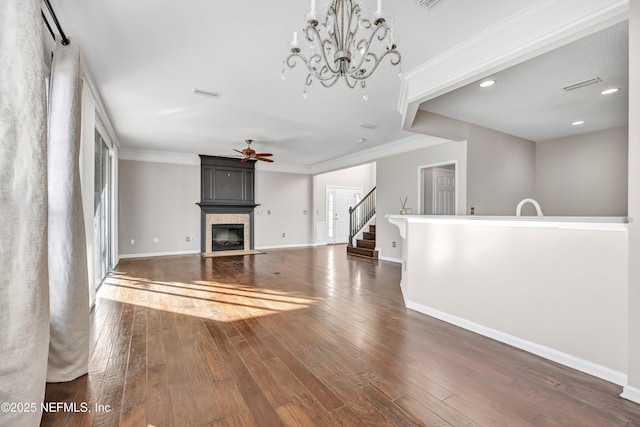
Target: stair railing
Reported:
[(361, 213)]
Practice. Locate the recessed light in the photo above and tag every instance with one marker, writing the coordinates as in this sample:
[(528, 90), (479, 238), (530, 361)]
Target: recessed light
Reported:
[(577, 123), (610, 91), (206, 93), (487, 83)]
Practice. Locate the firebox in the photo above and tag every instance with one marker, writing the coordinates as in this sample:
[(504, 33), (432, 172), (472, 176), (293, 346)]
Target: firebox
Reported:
[(227, 237)]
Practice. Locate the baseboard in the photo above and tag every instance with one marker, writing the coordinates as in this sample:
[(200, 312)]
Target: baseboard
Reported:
[(299, 245), (549, 353), (386, 258), (631, 393), (155, 254)]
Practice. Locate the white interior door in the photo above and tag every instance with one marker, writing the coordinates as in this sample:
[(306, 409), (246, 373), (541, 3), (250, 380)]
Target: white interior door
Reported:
[(339, 200), (444, 192)]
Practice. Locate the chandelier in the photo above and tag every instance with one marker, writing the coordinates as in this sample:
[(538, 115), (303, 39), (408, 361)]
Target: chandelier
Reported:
[(344, 46)]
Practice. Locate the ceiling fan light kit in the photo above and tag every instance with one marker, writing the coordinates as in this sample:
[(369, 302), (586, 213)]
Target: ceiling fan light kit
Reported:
[(344, 45), (250, 154)]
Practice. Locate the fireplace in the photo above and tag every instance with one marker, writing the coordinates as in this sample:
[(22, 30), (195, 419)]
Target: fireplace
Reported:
[(227, 237), (226, 204)]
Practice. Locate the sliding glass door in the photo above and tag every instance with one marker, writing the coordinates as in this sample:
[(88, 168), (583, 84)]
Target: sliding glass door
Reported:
[(101, 211)]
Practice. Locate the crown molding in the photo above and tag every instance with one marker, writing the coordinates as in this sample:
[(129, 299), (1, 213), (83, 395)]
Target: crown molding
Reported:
[(410, 143), (399, 146), (539, 28), (159, 157), (283, 167)]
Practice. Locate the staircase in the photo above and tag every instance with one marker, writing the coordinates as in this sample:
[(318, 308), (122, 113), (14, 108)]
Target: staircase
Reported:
[(359, 216), (365, 247)]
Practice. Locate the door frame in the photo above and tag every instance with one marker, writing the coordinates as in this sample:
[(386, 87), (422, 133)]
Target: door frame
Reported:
[(328, 188), (421, 169)]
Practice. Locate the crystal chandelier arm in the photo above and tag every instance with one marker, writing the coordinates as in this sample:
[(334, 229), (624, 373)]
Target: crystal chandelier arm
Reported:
[(351, 83), (321, 75), (332, 81), (381, 30), (376, 61), (311, 34)]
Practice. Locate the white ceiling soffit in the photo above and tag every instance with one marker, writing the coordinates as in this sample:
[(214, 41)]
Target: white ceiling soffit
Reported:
[(524, 35), (540, 98)]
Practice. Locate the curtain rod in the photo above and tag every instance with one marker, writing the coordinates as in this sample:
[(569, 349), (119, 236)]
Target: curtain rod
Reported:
[(65, 40)]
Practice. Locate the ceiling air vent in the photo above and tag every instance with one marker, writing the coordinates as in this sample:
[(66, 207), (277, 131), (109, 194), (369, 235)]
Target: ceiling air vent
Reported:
[(368, 126), (428, 3), (206, 93), (582, 84)]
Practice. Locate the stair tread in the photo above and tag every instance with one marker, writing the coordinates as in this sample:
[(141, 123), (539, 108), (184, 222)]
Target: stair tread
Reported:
[(368, 244), (367, 235), (369, 253)]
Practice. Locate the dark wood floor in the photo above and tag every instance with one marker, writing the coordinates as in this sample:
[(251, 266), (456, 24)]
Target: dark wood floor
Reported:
[(306, 337)]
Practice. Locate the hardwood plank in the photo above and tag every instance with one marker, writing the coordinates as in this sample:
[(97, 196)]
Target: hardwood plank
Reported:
[(300, 395), (318, 389), (253, 396), (159, 403), (425, 414)]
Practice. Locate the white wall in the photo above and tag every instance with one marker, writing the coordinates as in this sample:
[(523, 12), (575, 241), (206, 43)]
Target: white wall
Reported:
[(158, 200), (285, 207), (501, 171), (397, 177), (583, 174)]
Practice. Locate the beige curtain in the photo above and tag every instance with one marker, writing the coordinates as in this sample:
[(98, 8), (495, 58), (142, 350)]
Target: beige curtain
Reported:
[(24, 297), (68, 277)]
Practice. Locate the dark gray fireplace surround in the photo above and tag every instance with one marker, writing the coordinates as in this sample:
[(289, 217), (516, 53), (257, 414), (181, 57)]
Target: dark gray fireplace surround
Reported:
[(226, 187)]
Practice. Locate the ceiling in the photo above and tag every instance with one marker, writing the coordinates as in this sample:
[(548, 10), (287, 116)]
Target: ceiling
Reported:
[(146, 57), (529, 101)]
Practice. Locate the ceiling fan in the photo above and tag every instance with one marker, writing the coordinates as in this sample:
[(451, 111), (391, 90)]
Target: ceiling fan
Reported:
[(250, 154)]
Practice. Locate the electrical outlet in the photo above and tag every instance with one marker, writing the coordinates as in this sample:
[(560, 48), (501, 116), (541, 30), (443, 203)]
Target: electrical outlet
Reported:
[(133, 241), (393, 244), (283, 234), (188, 238), (268, 211), (156, 240), (304, 212)]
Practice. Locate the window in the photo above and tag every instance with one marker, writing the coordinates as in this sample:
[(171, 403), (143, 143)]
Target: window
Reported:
[(101, 211)]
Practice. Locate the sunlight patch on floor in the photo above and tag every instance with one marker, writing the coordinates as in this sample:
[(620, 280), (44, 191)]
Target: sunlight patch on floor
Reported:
[(225, 302)]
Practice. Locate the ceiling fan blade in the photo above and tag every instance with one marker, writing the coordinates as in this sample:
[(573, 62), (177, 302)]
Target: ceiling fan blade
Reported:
[(264, 159), (244, 159), (238, 151), (264, 154)]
